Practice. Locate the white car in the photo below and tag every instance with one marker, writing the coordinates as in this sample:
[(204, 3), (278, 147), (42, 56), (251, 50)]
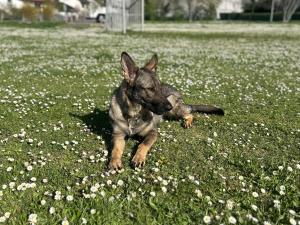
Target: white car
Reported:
[(98, 14), (95, 11)]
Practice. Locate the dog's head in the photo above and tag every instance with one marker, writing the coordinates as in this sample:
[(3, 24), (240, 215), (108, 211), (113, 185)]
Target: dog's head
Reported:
[(144, 87)]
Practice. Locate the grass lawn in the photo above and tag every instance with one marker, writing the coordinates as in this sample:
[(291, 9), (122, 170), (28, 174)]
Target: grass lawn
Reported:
[(242, 168)]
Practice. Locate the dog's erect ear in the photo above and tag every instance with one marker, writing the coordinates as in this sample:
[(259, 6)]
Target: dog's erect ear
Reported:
[(152, 64), (129, 68)]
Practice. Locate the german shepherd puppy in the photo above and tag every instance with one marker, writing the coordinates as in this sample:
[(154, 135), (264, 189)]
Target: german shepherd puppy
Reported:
[(139, 104)]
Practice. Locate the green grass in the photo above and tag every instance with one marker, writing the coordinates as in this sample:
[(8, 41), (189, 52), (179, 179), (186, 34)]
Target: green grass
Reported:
[(47, 24), (56, 86), (39, 25)]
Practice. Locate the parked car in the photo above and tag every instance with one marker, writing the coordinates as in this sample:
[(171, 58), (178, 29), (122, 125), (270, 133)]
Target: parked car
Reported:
[(97, 13)]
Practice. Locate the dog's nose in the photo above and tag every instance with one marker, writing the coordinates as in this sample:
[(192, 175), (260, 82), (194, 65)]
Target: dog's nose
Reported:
[(168, 106)]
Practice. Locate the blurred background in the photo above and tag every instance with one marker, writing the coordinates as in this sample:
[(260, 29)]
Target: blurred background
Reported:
[(109, 12)]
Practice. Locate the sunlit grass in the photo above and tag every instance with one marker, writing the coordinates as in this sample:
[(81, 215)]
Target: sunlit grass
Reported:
[(242, 168)]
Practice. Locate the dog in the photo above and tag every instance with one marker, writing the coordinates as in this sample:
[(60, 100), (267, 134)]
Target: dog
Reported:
[(139, 104)]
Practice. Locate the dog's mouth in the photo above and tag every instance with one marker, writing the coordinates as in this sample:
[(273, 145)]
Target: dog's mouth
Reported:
[(157, 107)]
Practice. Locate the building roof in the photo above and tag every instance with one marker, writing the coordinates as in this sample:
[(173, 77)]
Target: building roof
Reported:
[(76, 4)]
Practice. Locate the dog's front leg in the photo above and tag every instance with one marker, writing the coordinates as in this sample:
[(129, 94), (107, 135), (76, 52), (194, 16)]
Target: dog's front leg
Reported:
[(140, 156), (117, 151)]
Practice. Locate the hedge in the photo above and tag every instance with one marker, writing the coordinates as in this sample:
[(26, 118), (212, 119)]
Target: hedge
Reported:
[(255, 16)]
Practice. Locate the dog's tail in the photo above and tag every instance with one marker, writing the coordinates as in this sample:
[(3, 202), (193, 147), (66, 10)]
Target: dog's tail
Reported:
[(207, 109)]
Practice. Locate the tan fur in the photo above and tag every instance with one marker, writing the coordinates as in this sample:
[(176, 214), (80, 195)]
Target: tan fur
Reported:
[(188, 120), (117, 152), (143, 149)]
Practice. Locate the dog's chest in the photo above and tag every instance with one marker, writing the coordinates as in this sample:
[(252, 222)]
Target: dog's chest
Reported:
[(141, 122), (134, 125)]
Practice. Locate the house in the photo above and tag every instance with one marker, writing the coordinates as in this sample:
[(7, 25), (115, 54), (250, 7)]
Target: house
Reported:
[(5, 5), (74, 4), (230, 6)]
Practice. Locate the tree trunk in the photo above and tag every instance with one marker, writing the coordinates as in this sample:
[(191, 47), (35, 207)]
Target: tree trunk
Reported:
[(289, 8), (40, 15), (252, 9), (190, 17), (1, 16), (272, 11), (190, 10)]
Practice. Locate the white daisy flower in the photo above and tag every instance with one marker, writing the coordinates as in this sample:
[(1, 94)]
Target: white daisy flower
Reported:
[(207, 219), (2, 219), (232, 220), (70, 198), (164, 189), (32, 218), (102, 193), (254, 207), (65, 222), (29, 168), (94, 189), (293, 221), (198, 193), (84, 220), (152, 193), (229, 204), (52, 210), (120, 182), (43, 202), (7, 215)]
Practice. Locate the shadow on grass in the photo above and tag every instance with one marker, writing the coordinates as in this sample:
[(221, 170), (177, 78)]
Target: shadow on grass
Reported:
[(98, 123)]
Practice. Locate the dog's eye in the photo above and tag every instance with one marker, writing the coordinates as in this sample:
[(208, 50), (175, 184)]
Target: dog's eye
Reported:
[(151, 89)]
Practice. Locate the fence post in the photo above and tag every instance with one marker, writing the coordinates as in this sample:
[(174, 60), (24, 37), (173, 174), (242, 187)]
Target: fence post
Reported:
[(272, 11), (142, 15), (124, 16)]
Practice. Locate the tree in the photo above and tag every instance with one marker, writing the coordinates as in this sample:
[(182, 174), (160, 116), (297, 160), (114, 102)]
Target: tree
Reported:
[(177, 8), (255, 6), (29, 12), (150, 9), (1, 15), (48, 11), (101, 2), (191, 5), (253, 2), (157, 8), (289, 7), (205, 5)]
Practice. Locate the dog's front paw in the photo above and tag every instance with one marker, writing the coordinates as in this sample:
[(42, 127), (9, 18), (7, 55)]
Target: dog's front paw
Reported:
[(115, 164), (138, 160), (187, 121)]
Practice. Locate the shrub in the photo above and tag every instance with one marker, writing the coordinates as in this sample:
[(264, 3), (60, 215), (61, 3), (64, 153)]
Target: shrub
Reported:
[(29, 12), (255, 16), (48, 11), (15, 14)]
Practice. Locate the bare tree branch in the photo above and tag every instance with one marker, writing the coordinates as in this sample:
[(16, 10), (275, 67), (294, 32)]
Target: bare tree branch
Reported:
[(289, 7), (272, 10)]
